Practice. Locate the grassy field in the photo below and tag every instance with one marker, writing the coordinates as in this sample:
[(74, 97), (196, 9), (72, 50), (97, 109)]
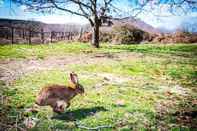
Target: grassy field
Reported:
[(128, 87)]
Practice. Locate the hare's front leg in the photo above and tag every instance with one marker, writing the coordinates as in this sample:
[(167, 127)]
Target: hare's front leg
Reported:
[(67, 104), (59, 107)]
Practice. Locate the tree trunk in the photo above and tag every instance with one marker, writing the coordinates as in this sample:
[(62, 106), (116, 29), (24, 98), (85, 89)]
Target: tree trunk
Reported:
[(95, 35)]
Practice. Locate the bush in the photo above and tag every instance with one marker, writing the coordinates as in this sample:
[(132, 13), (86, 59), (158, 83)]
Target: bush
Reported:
[(193, 38), (128, 35), (177, 37), (86, 37), (106, 37)]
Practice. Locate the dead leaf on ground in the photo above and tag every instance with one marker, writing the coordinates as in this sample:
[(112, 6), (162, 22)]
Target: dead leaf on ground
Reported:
[(194, 102), (168, 93)]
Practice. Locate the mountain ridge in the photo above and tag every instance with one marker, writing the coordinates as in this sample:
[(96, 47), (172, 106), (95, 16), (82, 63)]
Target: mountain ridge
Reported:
[(136, 23)]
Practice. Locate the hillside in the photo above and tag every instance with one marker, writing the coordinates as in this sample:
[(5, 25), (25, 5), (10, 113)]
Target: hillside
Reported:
[(132, 22)]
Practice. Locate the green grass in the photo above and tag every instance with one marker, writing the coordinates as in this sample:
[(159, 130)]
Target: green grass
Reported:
[(142, 84), (178, 49), (40, 51), (59, 49)]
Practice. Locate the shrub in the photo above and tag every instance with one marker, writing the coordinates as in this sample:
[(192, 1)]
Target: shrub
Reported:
[(128, 35), (177, 37), (106, 36), (86, 37)]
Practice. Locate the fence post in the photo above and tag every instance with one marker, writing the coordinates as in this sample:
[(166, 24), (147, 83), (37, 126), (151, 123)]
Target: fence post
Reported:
[(51, 36), (68, 36), (80, 33), (29, 36), (71, 34), (42, 35), (62, 35), (7, 34), (23, 33), (12, 34)]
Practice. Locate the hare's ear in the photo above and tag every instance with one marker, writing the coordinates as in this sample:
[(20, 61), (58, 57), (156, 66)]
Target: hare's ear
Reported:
[(73, 78)]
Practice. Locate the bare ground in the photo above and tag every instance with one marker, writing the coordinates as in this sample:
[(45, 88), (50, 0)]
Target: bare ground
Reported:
[(12, 69)]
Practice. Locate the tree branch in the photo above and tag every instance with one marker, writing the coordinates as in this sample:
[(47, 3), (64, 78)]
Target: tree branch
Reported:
[(82, 4), (67, 10), (81, 8)]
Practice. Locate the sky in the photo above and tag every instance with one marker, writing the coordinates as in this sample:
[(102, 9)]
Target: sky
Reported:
[(159, 17)]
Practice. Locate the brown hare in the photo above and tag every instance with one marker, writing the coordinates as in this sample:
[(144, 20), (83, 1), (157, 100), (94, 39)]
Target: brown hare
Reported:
[(57, 96)]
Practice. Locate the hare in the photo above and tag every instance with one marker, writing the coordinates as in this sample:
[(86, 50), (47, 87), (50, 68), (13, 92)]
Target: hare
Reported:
[(57, 96)]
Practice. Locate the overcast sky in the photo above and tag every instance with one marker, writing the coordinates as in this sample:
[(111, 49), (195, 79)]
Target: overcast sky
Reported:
[(160, 17)]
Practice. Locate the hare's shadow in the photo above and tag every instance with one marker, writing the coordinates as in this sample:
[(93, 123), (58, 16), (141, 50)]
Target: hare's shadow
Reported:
[(78, 114)]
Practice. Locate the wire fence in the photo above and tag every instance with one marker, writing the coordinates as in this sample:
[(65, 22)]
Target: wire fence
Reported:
[(16, 35)]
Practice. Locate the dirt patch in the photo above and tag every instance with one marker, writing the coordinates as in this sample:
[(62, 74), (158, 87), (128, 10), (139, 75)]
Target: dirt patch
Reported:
[(11, 69), (107, 79), (177, 112), (177, 89), (111, 78)]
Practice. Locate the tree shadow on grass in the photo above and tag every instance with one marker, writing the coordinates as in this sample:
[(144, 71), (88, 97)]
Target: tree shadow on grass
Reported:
[(79, 114)]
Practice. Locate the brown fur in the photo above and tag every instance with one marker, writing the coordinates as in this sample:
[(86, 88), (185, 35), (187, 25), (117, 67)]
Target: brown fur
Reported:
[(52, 95)]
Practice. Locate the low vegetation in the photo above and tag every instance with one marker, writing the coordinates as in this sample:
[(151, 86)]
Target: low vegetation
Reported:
[(177, 37), (127, 87)]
